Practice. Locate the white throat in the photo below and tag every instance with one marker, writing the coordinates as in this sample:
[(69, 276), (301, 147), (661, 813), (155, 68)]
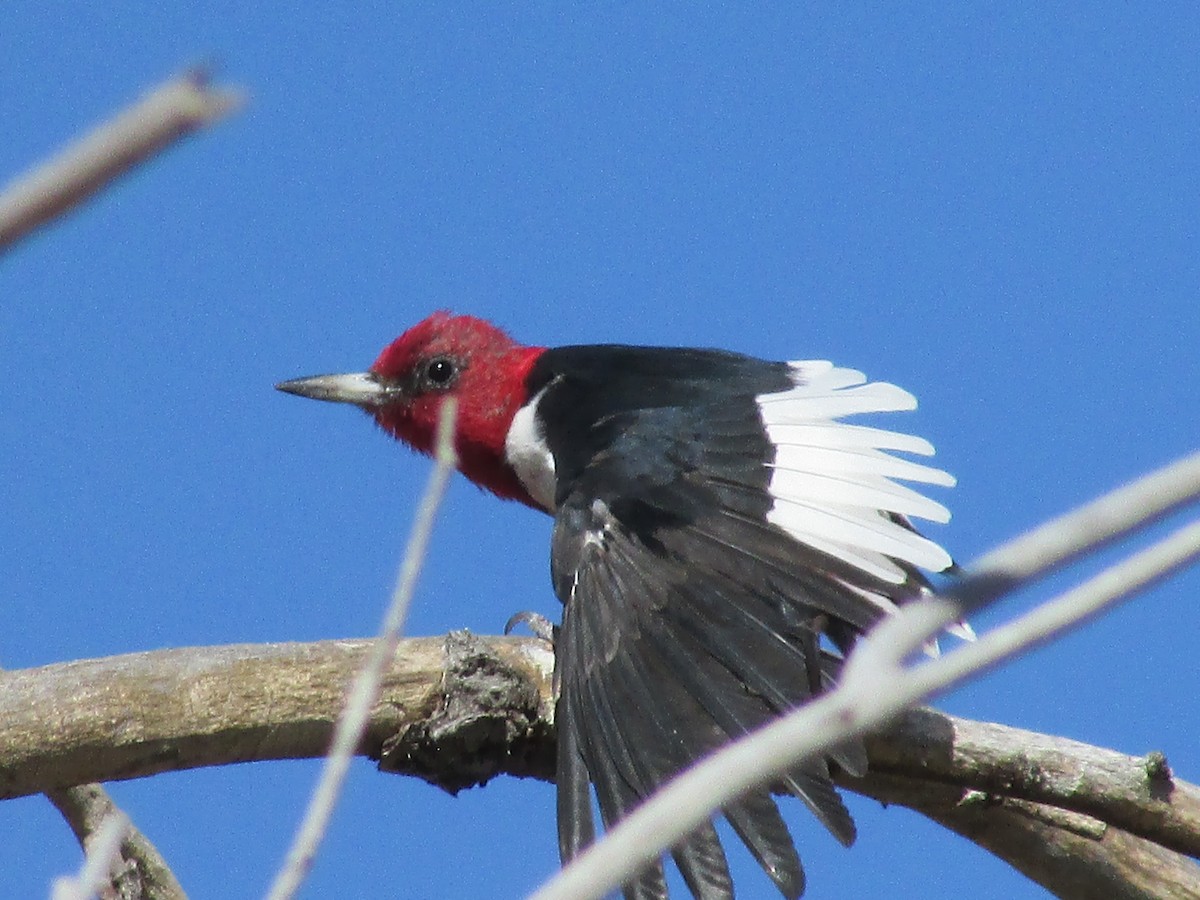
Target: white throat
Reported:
[(526, 451)]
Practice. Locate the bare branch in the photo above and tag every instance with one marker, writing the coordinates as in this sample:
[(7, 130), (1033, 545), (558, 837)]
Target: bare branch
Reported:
[(460, 709), (1081, 532), (365, 689), (143, 713), (144, 874), (1053, 618), (103, 852), (171, 111), (1072, 855), (982, 761)]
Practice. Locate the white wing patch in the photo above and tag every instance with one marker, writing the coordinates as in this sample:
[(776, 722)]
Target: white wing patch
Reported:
[(832, 484)]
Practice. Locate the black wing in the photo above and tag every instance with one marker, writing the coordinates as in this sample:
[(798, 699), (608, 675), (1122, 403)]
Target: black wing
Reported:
[(689, 617)]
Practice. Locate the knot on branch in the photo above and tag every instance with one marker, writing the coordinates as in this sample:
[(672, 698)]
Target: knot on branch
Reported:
[(488, 720)]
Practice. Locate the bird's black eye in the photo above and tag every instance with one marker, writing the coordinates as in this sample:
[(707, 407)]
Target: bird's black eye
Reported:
[(440, 372)]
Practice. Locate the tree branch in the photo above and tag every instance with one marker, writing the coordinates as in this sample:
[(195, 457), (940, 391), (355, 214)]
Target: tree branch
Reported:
[(461, 709), (143, 713), (141, 872), (173, 110), (1070, 854)]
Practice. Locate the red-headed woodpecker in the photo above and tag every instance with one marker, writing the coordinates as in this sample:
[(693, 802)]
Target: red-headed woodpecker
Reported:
[(721, 537)]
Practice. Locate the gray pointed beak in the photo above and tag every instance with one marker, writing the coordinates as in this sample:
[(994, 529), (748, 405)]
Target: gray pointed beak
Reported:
[(359, 388)]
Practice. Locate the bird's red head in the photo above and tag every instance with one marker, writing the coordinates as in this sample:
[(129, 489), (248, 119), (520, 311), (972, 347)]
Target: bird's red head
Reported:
[(476, 363), (443, 356)]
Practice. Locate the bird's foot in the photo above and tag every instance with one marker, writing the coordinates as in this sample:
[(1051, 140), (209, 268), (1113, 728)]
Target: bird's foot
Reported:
[(537, 623)]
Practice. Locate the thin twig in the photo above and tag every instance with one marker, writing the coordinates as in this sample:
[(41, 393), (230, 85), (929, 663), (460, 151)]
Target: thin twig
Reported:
[(171, 111), (353, 721), (103, 852), (86, 807), (1080, 532), (1069, 610), (876, 688)]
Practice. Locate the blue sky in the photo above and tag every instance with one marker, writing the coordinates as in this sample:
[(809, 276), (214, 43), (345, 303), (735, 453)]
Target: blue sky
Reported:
[(996, 206)]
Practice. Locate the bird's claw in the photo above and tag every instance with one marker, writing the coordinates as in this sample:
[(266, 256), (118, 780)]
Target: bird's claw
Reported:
[(537, 623)]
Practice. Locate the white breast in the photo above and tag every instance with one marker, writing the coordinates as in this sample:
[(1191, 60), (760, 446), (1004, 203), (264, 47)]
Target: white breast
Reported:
[(526, 451)]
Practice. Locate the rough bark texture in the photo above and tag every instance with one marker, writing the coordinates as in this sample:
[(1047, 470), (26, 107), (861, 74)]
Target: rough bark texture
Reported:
[(459, 710)]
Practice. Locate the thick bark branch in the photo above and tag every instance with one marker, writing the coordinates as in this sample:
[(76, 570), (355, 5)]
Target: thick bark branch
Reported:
[(1070, 854), (1138, 794), (458, 710), (143, 713)]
